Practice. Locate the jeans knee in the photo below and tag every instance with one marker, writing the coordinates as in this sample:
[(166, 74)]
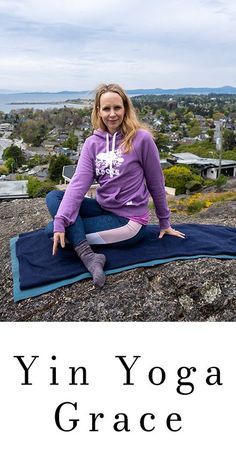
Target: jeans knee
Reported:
[(53, 197), (49, 196)]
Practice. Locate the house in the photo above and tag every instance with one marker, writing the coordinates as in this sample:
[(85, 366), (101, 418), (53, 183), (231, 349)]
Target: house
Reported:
[(208, 167), (49, 145), (6, 127), (41, 172), (13, 189), (63, 137), (187, 140), (36, 151), (4, 144), (68, 172), (165, 164)]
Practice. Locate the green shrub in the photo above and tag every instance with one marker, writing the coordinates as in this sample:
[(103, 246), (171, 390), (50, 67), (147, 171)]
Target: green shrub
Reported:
[(193, 185), (178, 177), (221, 180), (229, 154), (196, 205), (208, 182), (10, 164), (37, 188), (4, 170)]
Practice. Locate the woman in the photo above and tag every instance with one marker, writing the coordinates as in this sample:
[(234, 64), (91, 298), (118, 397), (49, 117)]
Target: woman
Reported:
[(123, 158)]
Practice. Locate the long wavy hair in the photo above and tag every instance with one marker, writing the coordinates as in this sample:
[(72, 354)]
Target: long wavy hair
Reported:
[(130, 122)]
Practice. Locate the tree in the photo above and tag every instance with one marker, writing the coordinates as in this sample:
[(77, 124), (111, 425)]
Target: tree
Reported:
[(164, 115), (10, 164), (210, 133), (229, 140), (188, 117), (162, 141), (15, 153), (175, 124), (33, 132), (71, 142), (202, 149), (217, 115), (194, 128), (55, 167)]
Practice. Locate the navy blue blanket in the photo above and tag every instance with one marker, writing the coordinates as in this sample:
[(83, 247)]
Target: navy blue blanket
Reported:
[(35, 266)]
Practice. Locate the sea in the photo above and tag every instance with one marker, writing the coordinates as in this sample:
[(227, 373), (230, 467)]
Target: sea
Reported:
[(40, 101)]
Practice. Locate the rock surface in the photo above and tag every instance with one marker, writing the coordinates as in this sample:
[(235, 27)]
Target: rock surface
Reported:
[(198, 290)]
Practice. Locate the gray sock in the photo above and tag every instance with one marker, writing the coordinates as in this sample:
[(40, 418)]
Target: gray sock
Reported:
[(93, 262)]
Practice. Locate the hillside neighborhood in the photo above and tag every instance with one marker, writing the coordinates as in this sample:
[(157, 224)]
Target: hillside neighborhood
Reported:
[(197, 132)]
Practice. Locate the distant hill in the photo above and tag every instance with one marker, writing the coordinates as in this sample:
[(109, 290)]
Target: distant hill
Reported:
[(227, 89), (3, 91), (184, 91)]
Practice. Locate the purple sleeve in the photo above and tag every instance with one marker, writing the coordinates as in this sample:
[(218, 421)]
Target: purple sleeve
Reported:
[(75, 192), (155, 180)]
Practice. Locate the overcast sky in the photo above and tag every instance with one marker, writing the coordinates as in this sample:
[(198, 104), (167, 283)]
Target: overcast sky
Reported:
[(53, 45)]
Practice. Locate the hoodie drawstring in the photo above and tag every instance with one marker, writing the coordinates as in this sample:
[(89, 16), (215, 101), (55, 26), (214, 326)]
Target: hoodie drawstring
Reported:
[(110, 155)]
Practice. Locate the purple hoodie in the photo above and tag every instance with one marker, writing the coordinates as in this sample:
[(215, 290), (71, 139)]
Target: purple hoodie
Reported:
[(125, 179)]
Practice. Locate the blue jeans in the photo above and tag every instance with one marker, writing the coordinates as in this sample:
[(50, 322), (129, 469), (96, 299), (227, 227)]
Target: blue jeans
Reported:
[(91, 219)]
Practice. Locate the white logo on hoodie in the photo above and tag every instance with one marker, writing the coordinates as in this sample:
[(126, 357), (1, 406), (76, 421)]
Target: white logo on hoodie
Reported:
[(108, 162)]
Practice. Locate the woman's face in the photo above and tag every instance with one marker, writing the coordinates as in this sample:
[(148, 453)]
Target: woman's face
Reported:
[(111, 111)]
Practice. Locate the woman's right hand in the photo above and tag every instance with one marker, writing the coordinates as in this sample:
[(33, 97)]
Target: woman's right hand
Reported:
[(58, 238)]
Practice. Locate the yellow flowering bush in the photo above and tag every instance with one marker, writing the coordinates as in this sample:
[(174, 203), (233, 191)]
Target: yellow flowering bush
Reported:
[(199, 201)]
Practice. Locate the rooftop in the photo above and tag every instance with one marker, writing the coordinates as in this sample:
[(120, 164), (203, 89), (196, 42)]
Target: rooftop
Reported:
[(13, 189), (191, 159)]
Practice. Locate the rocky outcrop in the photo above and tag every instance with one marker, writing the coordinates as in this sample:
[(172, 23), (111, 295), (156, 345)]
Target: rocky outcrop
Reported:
[(196, 290)]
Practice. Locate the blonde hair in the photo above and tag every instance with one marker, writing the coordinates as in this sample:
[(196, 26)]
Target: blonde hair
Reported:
[(130, 122)]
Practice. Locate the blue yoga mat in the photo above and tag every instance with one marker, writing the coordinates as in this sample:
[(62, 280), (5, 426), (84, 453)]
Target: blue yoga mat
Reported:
[(36, 271)]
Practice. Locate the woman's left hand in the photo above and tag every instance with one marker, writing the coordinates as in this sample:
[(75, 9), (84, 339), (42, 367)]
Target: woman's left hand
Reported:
[(172, 232)]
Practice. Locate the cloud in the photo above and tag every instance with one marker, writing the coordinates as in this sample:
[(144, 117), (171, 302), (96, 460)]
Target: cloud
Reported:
[(75, 44)]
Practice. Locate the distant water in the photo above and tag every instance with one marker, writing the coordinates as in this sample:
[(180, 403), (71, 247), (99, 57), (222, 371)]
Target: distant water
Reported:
[(40, 101)]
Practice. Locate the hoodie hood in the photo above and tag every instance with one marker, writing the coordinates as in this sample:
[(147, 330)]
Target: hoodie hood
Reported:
[(102, 134)]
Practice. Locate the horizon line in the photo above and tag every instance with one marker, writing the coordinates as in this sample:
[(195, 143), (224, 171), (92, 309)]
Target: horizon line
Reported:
[(12, 91)]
